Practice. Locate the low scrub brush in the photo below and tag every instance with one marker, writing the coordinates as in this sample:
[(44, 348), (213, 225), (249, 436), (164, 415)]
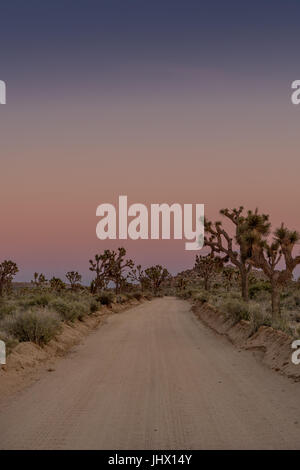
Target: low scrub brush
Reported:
[(38, 326)]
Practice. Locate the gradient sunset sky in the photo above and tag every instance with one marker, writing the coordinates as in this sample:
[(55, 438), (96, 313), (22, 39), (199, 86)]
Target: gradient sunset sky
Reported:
[(160, 100)]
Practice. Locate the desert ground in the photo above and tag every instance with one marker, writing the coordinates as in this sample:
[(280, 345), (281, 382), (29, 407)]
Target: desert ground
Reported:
[(154, 377)]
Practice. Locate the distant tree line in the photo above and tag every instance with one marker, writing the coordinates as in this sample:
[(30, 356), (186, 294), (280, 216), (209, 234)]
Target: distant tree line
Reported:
[(250, 244), (108, 267)]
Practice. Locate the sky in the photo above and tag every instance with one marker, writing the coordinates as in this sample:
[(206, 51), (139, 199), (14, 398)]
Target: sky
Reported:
[(162, 100)]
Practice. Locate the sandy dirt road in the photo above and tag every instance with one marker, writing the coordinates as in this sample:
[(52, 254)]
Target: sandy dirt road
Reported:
[(154, 377)]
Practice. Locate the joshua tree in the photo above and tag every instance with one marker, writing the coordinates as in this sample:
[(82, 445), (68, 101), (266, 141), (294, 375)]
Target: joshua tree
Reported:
[(138, 275), (118, 266), (221, 242), (39, 280), (230, 276), (110, 266), (207, 267), (35, 279), (182, 283), (156, 276), (56, 284), (266, 256), (8, 269), (100, 266), (74, 279)]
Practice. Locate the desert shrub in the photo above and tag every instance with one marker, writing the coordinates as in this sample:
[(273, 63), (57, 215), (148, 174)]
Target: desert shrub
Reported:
[(233, 295), (138, 295), (201, 297), (297, 300), (289, 303), (129, 296), (63, 307), (285, 294), (40, 300), (105, 298), (179, 293), (282, 324), (236, 309), (79, 310), (7, 309), (38, 326), (121, 299), (94, 306), (217, 285), (295, 316), (258, 287), (170, 291), (148, 295), (188, 293), (184, 294), (258, 317), (70, 310), (219, 298)]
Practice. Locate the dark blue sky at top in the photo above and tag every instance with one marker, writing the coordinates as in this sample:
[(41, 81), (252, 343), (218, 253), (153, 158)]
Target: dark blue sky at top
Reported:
[(36, 34)]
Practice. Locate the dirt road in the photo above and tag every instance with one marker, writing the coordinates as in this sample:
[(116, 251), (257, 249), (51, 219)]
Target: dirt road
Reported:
[(155, 378)]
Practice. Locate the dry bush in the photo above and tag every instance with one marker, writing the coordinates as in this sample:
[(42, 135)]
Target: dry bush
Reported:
[(201, 297), (35, 300), (7, 308), (137, 295), (236, 309), (70, 310), (258, 316), (38, 326), (105, 298)]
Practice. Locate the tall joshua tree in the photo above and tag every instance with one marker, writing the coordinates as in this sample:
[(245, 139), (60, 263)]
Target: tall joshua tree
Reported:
[(118, 266), (219, 240), (100, 266), (8, 269), (266, 256)]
